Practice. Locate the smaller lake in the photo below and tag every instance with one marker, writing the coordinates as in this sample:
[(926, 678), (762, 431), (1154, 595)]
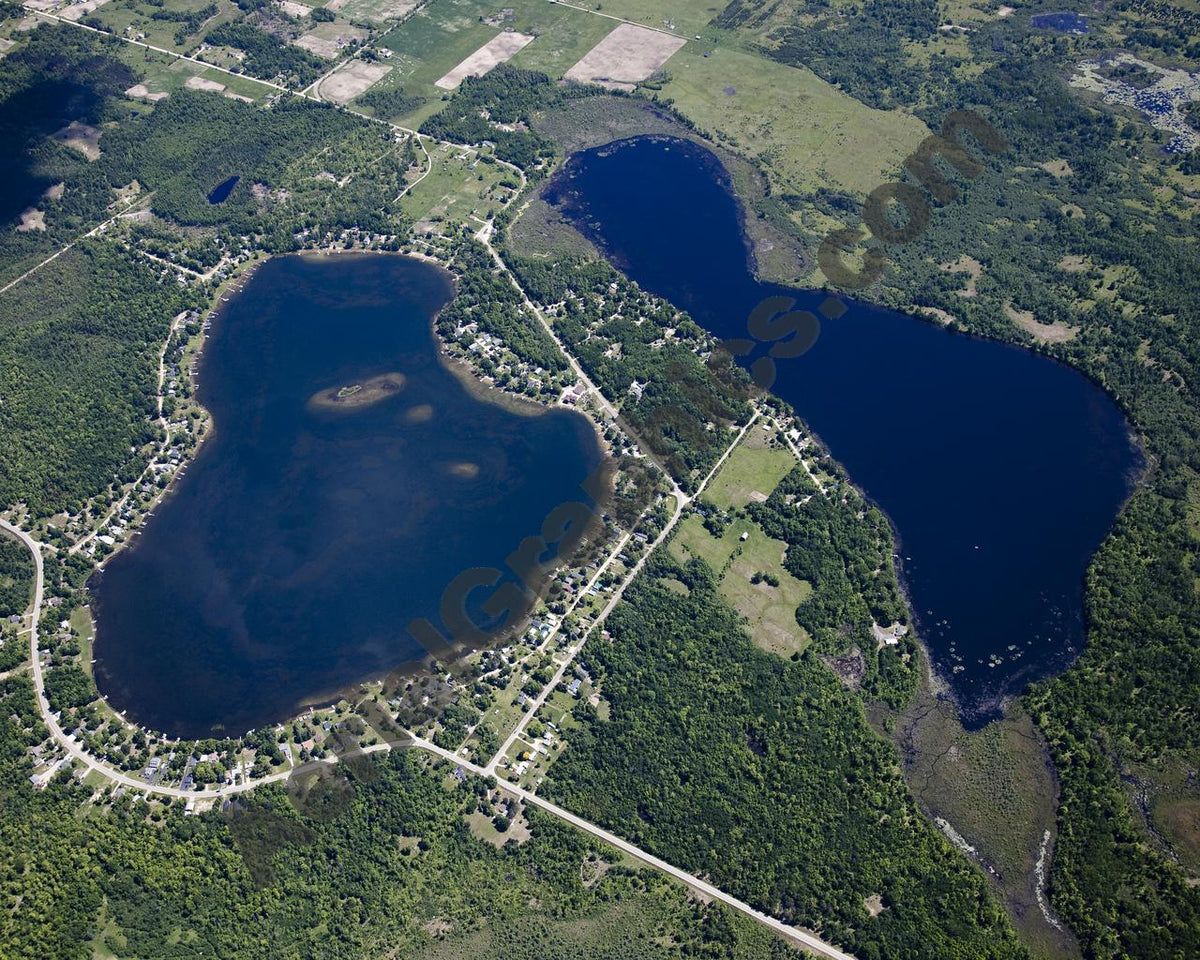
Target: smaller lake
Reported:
[(350, 478), (220, 193), (1001, 469)]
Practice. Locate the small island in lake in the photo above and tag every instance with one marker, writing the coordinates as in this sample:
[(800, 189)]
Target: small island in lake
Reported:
[(358, 395)]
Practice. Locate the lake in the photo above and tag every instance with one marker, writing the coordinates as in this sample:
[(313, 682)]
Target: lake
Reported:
[(1001, 470), (220, 193), (350, 478)]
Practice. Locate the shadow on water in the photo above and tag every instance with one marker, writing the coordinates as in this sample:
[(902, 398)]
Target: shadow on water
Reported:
[(350, 478), (1001, 470)]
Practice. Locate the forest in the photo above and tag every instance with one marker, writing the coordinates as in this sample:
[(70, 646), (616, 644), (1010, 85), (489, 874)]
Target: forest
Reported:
[(763, 775), (16, 578), (398, 871)]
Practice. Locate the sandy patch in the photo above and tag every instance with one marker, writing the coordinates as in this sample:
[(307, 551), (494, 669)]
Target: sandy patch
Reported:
[(29, 23), (625, 57), (55, 192), (327, 40), (200, 83), (1057, 168), (873, 904), (1057, 332), (141, 91), (422, 413), (6, 45), (237, 96), (971, 267), (31, 220), (496, 51), (1006, 11), (79, 10), (463, 469), (351, 79), (81, 137), (941, 316), (294, 9)]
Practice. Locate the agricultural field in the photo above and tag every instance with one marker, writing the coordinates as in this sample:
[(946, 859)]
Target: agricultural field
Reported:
[(626, 57), (808, 133), (443, 34), (350, 80), (500, 49)]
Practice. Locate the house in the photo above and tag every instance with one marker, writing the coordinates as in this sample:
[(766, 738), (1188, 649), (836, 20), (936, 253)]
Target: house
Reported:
[(573, 689)]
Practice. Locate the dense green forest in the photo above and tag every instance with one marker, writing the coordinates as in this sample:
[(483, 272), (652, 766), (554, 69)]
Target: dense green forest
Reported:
[(60, 75), (848, 560), (16, 578), (506, 95), (267, 56), (398, 873), (763, 775), (78, 368)]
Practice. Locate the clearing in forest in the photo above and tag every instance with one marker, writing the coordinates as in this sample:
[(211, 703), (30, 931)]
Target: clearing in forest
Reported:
[(496, 51), (625, 57), (351, 79), (752, 471)]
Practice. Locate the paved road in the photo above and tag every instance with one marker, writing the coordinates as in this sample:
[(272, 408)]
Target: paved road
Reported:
[(73, 749), (803, 938), (681, 503)]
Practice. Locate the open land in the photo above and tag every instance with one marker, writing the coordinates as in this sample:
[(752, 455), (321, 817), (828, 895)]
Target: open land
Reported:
[(815, 135), (625, 57), (351, 79), (500, 49)]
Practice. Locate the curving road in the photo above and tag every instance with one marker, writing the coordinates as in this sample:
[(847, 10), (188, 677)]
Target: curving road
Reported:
[(73, 749)]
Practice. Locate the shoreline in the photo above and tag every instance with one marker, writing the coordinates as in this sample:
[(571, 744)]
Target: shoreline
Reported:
[(993, 704), (413, 668)]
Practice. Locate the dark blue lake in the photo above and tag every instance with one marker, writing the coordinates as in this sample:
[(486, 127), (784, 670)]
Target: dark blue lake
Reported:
[(311, 527), (220, 193), (1001, 469)]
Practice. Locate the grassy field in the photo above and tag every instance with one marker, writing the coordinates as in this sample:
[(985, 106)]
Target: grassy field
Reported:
[(752, 471), (770, 611), (752, 576), (127, 18), (454, 191), (165, 74), (683, 17), (807, 132)]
